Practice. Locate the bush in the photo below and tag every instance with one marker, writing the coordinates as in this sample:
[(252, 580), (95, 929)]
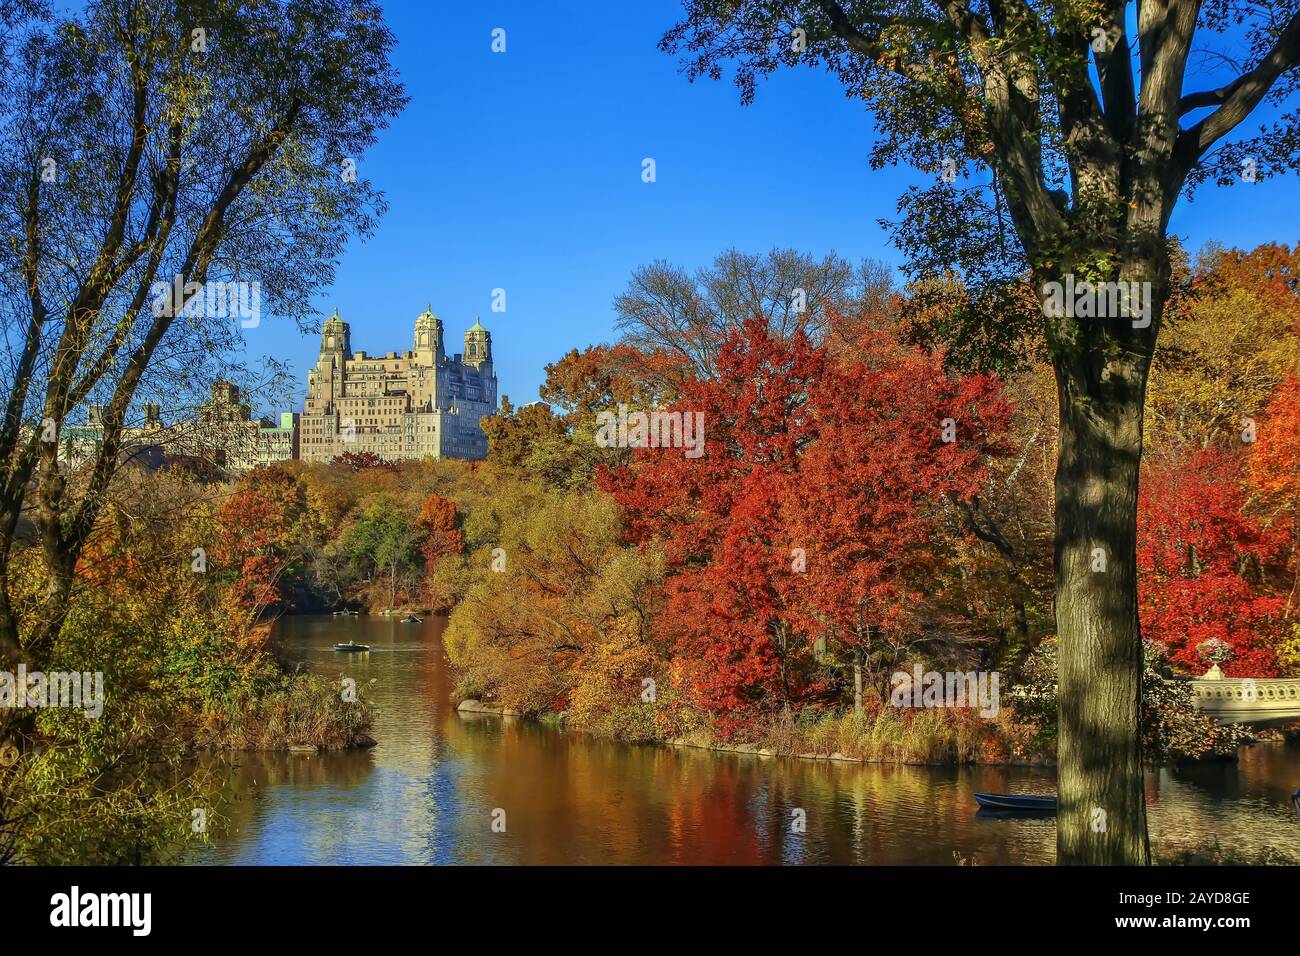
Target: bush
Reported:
[(299, 710)]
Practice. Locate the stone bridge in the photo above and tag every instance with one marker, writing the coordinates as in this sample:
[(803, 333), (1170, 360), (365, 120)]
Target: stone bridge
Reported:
[(1247, 700)]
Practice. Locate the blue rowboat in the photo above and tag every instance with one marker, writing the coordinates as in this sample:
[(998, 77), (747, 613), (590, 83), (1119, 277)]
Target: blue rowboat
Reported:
[(1012, 801)]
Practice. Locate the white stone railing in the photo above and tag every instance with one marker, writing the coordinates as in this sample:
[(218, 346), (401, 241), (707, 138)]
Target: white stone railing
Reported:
[(1247, 699)]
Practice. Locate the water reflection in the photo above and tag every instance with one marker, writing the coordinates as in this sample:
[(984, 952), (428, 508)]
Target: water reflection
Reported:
[(427, 793)]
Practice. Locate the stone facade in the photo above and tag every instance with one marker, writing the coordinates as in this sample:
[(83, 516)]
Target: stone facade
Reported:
[(421, 403), (417, 404), (223, 436), (80, 444), (225, 432), (278, 441)]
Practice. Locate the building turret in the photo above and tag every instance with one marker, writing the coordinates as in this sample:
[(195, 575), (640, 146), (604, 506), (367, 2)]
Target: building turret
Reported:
[(428, 336), (336, 338), (478, 346)]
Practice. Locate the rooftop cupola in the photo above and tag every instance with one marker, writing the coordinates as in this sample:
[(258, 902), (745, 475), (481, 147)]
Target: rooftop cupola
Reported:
[(336, 338), (478, 345), (428, 333)]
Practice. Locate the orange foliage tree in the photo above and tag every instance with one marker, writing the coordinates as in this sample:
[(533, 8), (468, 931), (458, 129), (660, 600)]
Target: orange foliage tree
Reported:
[(438, 518), (810, 514)]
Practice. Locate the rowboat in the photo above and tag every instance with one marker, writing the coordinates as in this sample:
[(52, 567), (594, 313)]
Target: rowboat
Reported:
[(350, 646), (1013, 801)]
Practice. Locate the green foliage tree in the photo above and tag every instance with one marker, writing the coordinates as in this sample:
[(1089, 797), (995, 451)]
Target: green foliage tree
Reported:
[(387, 539)]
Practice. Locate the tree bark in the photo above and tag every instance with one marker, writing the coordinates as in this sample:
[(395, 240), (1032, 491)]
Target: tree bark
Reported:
[(1102, 811), (857, 681)]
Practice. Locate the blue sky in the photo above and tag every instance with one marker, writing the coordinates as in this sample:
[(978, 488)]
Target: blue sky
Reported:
[(522, 171)]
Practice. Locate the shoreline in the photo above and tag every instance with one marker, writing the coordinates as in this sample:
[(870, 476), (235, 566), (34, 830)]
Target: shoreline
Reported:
[(471, 706)]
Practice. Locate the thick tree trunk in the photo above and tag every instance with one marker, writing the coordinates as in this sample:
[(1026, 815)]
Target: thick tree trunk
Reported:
[(1102, 808)]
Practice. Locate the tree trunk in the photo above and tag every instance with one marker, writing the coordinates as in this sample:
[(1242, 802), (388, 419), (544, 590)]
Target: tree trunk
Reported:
[(1102, 808), (857, 681)]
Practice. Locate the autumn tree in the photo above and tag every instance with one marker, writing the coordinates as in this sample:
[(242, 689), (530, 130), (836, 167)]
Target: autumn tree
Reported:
[(554, 439), (264, 528), (718, 517), (1203, 562), (898, 442), (811, 514), (360, 461), (1273, 479), (1229, 342), (1061, 136), (439, 519), (600, 377), (561, 608), (512, 432), (146, 144)]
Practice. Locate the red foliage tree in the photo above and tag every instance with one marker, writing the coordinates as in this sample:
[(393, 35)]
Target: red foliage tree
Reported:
[(1274, 480), (838, 460), (1200, 562), (362, 461), (719, 518), (259, 528), (896, 436)]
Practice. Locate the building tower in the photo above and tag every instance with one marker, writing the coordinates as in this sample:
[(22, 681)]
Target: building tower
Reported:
[(478, 347), (428, 337), (336, 339)]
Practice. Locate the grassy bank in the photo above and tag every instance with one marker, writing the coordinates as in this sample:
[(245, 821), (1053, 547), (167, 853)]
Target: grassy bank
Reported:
[(1215, 854), (938, 736), (895, 735), (303, 710)]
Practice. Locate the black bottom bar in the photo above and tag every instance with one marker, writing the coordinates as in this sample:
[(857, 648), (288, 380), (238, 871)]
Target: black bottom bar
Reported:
[(930, 905)]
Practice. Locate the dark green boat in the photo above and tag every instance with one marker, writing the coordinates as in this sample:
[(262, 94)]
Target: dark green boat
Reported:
[(351, 646)]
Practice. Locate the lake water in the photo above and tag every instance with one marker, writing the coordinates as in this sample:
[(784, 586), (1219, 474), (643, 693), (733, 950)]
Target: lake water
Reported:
[(431, 790)]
